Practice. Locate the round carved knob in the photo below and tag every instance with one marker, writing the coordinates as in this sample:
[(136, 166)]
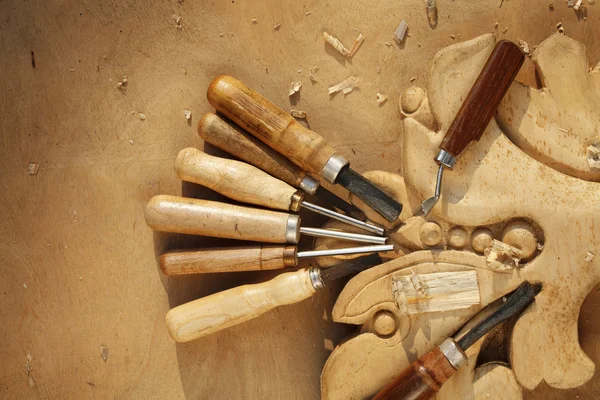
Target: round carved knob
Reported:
[(430, 234), (481, 239), (458, 237), (411, 99), (384, 323), (520, 234)]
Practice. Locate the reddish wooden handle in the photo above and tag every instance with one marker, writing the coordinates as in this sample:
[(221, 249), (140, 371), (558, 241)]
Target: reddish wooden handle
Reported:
[(269, 123), (484, 98), (420, 380)]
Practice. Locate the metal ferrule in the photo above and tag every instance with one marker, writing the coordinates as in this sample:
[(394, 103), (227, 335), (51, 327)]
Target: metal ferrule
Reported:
[(315, 278), (290, 259), (292, 232), (455, 355), (446, 159), (309, 185), (333, 167), (296, 201)]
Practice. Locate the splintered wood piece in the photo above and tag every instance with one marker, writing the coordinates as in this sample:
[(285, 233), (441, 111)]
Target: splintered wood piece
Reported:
[(357, 42), (294, 88), (339, 46), (442, 291), (346, 86), (501, 256)]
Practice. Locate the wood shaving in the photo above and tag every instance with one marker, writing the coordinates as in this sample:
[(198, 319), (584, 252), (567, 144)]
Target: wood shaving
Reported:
[(298, 114), (122, 84), (570, 3), (307, 13), (142, 116), (187, 114), (29, 370), (400, 32), (577, 5), (496, 25), (453, 37), (501, 256), (589, 257), (442, 291), (104, 352), (339, 46), (177, 19), (311, 73), (414, 78), (346, 86), (505, 29), (431, 12), (276, 27), (294, 88), (381, 98), (593, 153), (131, 142), (560, 28), (524, 46), (33, 168), (254, 21)]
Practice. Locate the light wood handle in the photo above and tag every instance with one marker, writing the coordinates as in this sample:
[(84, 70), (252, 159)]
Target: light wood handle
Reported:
[(421, 380), (246, 147), (269, 123), (236, 180), (485, 96), (221, 310), (227, 259), (212, 218)]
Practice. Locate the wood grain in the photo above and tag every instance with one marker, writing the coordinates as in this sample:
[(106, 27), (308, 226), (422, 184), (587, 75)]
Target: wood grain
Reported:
[(421, 380), (221, 310), (485, 96), (227, 259), (269, 123), (236, 180), (210, 218), (233, 140)]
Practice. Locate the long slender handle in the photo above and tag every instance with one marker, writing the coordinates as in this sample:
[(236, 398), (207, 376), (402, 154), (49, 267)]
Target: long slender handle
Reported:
[(227, 259), (269, 123), (484, 98), (246, 147), (211, 218), (231, 307), (236, 180), (420, 380)]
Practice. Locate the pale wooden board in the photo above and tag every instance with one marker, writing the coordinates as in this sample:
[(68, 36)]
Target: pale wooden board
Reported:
[(74, 233)]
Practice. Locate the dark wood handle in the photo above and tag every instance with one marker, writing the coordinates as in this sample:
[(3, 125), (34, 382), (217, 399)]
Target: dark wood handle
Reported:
[(246, 147), (420, 380), (269, 123), (484, 98)]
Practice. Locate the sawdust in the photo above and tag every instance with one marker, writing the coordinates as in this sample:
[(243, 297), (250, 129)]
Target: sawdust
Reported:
[(33, 168), (346, 86), (294, 88)]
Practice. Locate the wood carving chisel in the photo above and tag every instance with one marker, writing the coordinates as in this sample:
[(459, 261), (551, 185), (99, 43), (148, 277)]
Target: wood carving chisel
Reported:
[(212, 218), (424, 377), (222, 310), (477, 109), (302, 146), (231, 139), (246, 183), (248, 258)]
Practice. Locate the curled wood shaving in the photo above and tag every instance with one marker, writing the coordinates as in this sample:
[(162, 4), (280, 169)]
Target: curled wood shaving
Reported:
[(346, 86), (339, 46), (381, 98), (298, 114), (400, 32), (294, 87)]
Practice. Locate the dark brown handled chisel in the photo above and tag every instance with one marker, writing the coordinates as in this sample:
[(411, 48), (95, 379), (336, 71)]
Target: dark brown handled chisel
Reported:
[(477, 109), (303, 147), (423, 378)]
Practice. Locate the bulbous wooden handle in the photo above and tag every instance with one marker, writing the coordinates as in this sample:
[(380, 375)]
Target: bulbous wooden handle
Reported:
[(235, 179), (420, 380), (221, 310), (485, 96), (269, 123), (212, 218), (246, 147), (227, 259)]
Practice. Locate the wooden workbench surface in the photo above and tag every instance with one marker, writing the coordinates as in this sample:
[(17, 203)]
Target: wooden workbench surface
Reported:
[(78, 263)]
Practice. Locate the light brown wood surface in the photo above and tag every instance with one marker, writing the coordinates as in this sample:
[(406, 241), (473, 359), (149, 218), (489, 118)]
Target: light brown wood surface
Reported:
[(216, 219), (227, 259), (234, 179), (75, 235), (222, 310)]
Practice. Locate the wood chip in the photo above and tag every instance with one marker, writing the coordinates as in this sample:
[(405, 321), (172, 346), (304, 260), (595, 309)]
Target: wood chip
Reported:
[(122, 84), (357, 42), (496, 25), (177, 19), (570, 3), (524, 46), (311, 73), (431, 12), (187, 114), (589, 257), (381, 98), (294, 88), (131, 142), (276, 27), (593, 153), (453, 37), (339, 46), (298, 114), (441, 291), (414, 78), (501, 256), (104, 352), (33, 168), (142, 116), (346, 86), (560, 28), (400, 32), (577, 5), (254, 21)]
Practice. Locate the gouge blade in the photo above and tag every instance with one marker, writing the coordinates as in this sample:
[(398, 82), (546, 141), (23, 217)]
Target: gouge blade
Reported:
[(350, 268)]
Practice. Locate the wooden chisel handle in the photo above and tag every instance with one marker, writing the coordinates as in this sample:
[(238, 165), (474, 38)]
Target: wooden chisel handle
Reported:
[(485, 96), (228, 259), (269, 123), (420, 380), (221, 310), (236, 180), (246, 147), (212, 218)]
